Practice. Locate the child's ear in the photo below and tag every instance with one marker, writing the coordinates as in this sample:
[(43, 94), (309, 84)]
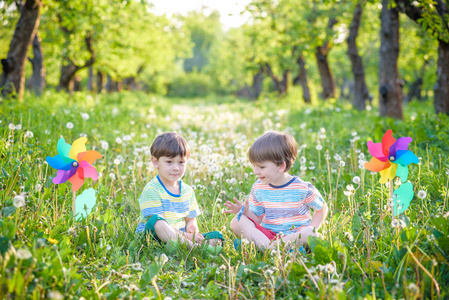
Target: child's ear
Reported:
[(282, 167), (154, 161)]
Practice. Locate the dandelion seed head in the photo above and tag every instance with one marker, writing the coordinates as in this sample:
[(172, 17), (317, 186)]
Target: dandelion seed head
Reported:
[(422, 194), (69, 125)]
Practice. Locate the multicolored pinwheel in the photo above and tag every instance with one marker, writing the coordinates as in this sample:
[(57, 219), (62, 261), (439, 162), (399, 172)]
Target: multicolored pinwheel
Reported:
[(74, 163), (391, 157)]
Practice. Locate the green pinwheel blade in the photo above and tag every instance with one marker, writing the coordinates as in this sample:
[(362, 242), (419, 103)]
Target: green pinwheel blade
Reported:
[(402, 172), (402, 198), (84, 204), (63, 150)]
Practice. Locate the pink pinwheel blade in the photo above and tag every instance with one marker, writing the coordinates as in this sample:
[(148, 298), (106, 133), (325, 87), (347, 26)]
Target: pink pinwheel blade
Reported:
[(77, 180), (375, 149), (400, 144), (89, 170)]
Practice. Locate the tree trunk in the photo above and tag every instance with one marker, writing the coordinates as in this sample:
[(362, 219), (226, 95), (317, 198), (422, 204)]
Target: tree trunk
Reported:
[(301, 79), (37, 80), (390, 102), (69, 69), (280, 85), (327, 79), (441, 88), (360, 89), (100, 81), (13, 76), (256, 87), (90, 79)]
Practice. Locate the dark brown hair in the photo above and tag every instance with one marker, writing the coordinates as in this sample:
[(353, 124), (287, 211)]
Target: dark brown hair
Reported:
[(277, 147), (170, 144)]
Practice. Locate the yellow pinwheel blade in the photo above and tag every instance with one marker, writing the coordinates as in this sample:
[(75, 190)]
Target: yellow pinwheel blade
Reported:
[(78, 146), (388, 174)]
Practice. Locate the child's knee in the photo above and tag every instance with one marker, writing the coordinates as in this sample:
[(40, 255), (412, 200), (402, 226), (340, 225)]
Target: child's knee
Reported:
[(160, 225)]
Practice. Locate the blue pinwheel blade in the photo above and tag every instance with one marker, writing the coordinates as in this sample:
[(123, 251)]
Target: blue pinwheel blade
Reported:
[(58, 163), (406, 157)]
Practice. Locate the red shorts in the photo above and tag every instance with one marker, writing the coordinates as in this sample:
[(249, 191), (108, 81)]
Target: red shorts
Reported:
[(271, 235)]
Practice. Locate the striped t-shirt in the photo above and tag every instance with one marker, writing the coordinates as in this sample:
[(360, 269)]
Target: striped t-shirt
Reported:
[(287, 207), (157, 200)]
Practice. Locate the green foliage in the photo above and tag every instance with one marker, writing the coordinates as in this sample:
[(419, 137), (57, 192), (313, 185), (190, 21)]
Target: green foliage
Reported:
[(191, 85), (43, 251)]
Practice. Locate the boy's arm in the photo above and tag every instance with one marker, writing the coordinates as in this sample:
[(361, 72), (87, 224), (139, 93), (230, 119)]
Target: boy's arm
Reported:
[(250, 214), (319, 216)]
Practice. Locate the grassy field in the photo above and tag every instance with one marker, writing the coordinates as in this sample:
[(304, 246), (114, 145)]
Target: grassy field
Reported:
[(45, 253)]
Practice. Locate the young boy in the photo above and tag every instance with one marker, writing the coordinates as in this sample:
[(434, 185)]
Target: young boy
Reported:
[(279, 204), (168, 205)]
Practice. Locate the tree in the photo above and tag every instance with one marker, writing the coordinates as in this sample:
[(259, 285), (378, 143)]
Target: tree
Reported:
[(390, 93), (434, 17), (360, 89), (13, 76)]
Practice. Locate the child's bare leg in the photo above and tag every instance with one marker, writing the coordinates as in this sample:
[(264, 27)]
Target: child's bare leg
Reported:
[(167, 233), (246, 228), (299, 238)]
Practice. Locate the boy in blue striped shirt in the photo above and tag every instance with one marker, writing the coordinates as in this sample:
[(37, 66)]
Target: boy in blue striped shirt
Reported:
[(168, 205)]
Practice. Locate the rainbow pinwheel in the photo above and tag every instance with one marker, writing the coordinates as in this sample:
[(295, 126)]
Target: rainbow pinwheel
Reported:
[(391, 157), (74, 163)]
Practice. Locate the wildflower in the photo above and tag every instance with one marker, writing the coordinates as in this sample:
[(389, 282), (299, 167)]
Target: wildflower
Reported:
[(319, 147), (85, 116), (19, 201), (163, 258), (104, 145), (69, 125), (446, 215), (422, 194), (38, 187), (395, 223), (18, 127), (330, 268), (347, 193), (115, 111), (356, 179), (47, 132), (349, 236), (112, 176), (218, 200), (413, 288), (127, 138), (342, 163), (118, 140), (137, 267), (28, 134), (55, 295), (116, 161), (11, 126), (23, 254), (397, 181), (52, 241), (322, 130), (350, 187), (302, 160)]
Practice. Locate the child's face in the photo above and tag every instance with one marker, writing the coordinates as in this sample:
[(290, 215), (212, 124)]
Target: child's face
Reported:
[(170, 169), (269, 172)]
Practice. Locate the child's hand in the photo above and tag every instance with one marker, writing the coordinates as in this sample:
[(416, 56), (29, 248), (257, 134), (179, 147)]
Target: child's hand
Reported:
[(193, 236), (192, 229), (234, 208)]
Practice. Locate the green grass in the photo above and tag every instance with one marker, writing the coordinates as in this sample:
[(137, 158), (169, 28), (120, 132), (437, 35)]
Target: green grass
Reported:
[(45, 253)]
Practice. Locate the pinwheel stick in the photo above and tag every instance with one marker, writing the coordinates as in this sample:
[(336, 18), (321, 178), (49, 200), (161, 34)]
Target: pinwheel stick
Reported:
[(391, 199), (73, 203)]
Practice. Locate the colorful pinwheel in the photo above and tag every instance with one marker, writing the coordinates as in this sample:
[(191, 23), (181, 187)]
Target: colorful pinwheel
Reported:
[(74, 163), (391, 157)]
